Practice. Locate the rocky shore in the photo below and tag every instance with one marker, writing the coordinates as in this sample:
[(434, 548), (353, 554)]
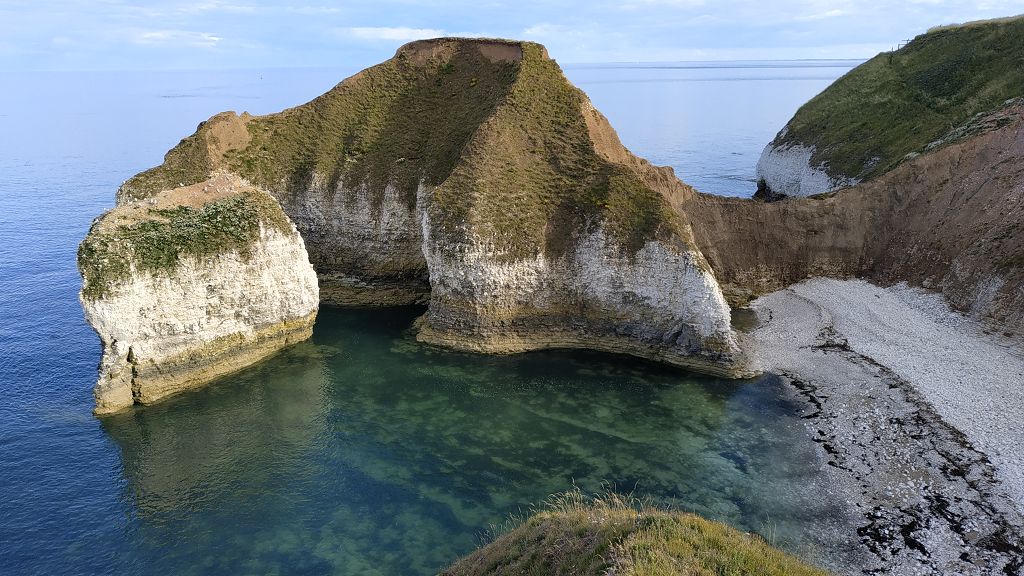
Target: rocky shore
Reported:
[(918, 411)]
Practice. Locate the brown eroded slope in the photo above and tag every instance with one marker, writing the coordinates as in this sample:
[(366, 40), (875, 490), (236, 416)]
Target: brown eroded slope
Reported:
[(951, 220)]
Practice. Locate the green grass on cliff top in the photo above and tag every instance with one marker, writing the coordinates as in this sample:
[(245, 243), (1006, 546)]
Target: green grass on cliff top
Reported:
[(898, 102), (504, 141), (532, 180), (395, 123), (156, 243), (580, 536)]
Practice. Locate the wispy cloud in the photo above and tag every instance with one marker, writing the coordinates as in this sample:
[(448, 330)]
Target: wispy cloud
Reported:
[(311, 9), (669, 3), (545, 30), (217, 6), (244, 33), (389, 33), (176, 38), (821, 15)]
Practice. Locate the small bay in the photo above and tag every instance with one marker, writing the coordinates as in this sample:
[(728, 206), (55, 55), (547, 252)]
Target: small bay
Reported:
[(360, 451)]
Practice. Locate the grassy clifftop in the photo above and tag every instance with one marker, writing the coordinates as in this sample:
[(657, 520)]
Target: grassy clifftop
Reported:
[(899, 102), (532, 179), (582, 537), (401, 121), (203, 220), (492, 126)]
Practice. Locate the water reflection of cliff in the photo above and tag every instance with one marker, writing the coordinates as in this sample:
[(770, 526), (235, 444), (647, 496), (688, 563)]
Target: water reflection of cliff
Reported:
[(198, 447), (364, 452)]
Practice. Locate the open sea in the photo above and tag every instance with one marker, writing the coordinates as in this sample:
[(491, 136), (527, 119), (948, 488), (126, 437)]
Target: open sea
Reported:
[(360, 451)]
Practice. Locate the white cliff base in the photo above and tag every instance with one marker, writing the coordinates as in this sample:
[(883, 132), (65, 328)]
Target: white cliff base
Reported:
[(366, 250), (659, 304), (174, 330), (786, 170)]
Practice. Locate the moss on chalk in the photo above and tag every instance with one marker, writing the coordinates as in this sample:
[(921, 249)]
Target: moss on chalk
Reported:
[(156, 243)]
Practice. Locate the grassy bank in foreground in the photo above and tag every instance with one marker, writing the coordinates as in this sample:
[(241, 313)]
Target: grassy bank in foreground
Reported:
[(578, 535)]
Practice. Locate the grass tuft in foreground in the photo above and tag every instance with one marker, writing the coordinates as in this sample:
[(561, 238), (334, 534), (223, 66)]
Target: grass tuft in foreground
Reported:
[(611, 534)]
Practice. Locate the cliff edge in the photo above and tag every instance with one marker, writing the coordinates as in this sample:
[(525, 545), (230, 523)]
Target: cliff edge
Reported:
[(190, 284)]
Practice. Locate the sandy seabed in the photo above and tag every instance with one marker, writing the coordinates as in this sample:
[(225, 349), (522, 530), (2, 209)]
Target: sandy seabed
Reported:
[(919, 410)]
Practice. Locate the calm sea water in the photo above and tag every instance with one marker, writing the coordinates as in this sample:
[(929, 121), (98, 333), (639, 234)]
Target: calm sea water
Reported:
[(359, 452)]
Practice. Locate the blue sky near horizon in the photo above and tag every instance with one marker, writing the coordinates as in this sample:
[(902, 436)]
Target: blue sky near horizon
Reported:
[(220, 34)]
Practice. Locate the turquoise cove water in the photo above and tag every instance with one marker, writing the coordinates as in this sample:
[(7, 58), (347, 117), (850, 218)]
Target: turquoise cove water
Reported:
[(363, 452), (360, 451)]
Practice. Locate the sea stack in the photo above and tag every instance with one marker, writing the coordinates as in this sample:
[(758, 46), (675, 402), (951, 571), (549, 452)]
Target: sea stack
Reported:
[(190, 284), (471, 176)]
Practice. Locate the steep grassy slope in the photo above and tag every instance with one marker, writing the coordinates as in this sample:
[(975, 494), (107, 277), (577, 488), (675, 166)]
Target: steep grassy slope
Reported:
[(491, 124), (898, 102), (536, 154), (577, 536), (399, 122)]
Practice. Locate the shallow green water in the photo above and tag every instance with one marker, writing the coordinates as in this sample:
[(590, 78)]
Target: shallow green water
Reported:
[(363, 452)]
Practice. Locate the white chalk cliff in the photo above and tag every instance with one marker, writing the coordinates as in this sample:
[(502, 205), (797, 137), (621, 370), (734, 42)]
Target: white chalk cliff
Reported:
[(661, 303), (202, 315), (467, 174), (786, 169)]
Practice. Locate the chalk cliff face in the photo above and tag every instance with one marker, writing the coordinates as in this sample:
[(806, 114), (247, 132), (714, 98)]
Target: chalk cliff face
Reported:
[(788, 169), (470, 175), (893, 107), (367, 250), (191, 284), (662, 303)]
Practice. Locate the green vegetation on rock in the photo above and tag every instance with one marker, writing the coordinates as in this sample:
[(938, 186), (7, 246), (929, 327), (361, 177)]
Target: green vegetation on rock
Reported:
[(532, 181), (492, 126), (580, 536), (187, 163), (899, 102), (156, 242), (398, 123)]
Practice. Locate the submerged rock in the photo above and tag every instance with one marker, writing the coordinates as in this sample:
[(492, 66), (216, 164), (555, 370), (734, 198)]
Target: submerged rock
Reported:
[(190, 284), (893, 107)]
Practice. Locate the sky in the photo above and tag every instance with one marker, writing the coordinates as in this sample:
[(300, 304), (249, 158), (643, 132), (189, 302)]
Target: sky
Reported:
[(224, 34)]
